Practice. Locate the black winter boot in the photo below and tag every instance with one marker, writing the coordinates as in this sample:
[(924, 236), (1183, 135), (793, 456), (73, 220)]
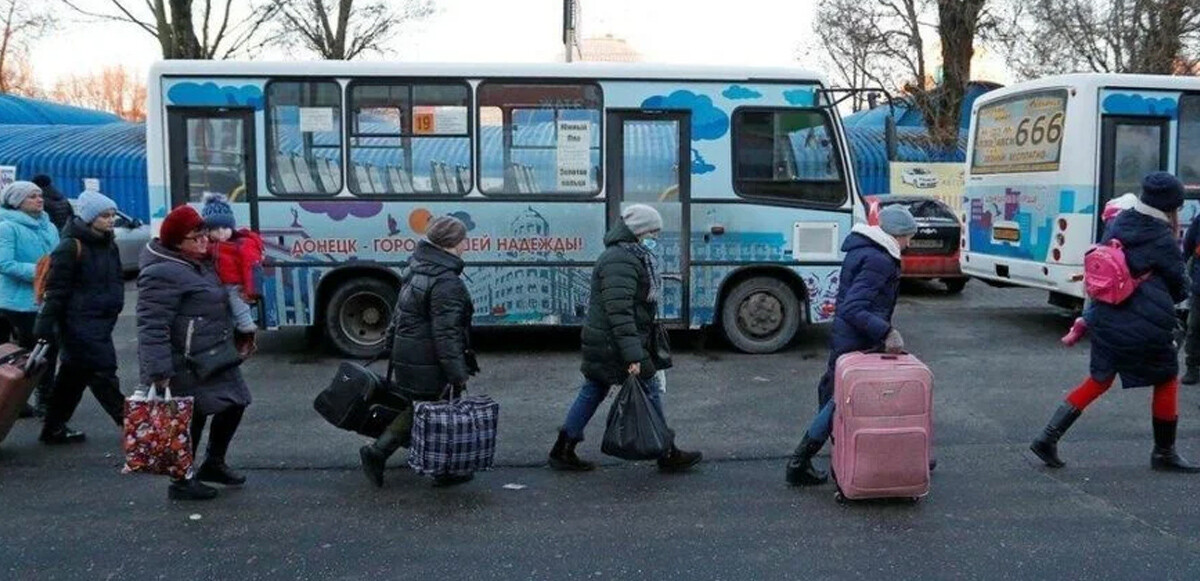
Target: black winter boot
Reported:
[(676, 460), (374, 456), (1046, 444), (562, 455), (1191, 376), (1165, 458), (190, 489), (56, 435), (800, 470), (216, 470)]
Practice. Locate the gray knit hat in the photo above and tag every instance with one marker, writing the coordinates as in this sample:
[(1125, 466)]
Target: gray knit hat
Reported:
[(897, 221), (446, 232), (92, 204), (14, 194), (642, 219)]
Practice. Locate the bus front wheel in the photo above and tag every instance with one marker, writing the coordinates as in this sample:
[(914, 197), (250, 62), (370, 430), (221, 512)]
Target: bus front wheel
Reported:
[(761, 315), (357, 316)]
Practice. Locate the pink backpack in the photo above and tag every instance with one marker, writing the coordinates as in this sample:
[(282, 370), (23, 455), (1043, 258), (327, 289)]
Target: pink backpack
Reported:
[(1106, 274)]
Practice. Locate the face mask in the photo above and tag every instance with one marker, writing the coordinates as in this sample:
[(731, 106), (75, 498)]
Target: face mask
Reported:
[(650, 243)]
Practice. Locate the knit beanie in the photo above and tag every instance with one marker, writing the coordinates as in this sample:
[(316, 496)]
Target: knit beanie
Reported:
[(41, 180), (178, 224), (14, 194), (1162, 191), (92, 204), (897, 221), (642, 219), (446, 232), (217, 213)]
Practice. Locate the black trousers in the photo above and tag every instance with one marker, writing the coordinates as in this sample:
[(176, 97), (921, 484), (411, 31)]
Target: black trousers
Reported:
[(224, 426), (69, 386), (1191, 344), (22, 330)]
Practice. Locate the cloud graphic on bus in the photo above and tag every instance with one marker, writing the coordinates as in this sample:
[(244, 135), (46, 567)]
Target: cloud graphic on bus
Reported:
[(210, 94), (738, 92), (1138, 105), (708, 122), (465, 218), (799, 96), (699, 165), (338, 211)]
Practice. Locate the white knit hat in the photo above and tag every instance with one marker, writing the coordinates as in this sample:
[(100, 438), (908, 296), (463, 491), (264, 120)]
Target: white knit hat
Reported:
[(642, 219)]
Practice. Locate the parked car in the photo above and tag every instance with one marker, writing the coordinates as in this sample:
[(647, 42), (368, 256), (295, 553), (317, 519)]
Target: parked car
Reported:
[(132, 235), (919, 178), (933, 252)]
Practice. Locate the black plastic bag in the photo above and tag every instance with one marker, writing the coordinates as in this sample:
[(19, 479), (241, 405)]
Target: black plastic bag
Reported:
[(635, 429)]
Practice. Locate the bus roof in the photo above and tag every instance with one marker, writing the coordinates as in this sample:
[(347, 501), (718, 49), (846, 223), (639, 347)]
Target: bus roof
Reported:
[(465, 70), (1093, 81)]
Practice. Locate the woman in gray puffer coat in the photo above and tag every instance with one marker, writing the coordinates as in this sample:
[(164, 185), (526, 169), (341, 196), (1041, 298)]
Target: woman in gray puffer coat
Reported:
[(179, 295)]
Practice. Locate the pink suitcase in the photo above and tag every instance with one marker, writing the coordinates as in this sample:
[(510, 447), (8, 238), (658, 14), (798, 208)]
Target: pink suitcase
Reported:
[(882, 426)]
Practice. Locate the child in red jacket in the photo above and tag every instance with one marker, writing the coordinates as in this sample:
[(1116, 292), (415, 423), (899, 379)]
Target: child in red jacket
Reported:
[(237, 255)]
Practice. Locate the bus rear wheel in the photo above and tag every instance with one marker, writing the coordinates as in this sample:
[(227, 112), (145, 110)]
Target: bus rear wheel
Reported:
[(357, 316), (760, 315)]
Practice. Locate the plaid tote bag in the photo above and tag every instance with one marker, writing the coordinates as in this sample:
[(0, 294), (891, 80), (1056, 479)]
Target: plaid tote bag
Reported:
[(454, 437)]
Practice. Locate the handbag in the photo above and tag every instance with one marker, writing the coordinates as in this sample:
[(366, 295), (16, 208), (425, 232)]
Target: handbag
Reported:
[(206, 363), (660, 347), (635, 429), (157, 434)]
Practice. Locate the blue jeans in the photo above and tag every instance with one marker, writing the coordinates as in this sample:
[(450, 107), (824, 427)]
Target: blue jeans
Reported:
[(822, 424), (591, 394)]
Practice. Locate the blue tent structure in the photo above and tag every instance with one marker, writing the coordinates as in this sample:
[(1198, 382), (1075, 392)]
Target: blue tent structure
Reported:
[(115, 153), (16, 110)]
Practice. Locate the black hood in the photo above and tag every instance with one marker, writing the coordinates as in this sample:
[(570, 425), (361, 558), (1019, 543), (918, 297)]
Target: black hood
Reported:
[(430, 260), (84, 233)]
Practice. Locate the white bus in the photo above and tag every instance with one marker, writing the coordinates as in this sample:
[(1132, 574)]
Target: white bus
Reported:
[(340, 166), (1045, 156)]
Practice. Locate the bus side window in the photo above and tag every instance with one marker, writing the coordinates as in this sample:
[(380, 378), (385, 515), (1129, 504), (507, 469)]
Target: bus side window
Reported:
[(788, 154), (304, 120)]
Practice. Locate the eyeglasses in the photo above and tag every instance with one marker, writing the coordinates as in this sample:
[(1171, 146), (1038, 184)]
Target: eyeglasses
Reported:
[(198, 238)]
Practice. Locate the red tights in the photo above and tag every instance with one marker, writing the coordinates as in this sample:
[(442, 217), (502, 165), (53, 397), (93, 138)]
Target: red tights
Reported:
[(1165, 406)]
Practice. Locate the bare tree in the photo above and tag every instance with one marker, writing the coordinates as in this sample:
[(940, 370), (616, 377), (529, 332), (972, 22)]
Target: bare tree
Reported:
[(958, 26), (114, 89), (195, 29), (1110, 36), (21, 21), (850, 38), (345, 29)]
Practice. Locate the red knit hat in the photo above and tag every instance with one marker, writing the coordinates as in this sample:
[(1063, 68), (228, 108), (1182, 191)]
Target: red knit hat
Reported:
[(179, 223)]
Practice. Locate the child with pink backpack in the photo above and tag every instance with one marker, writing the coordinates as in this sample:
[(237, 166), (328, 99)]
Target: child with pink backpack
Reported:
[(1132, 327), (1112, 209)]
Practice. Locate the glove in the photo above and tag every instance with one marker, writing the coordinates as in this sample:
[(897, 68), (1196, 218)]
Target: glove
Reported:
[(45, 329), (893, 343)]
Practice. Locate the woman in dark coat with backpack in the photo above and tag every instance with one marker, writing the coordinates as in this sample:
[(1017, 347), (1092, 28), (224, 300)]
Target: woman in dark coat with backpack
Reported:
[(85, 293), (616, 340), (183, 310), (1135, 339), (428, 338)]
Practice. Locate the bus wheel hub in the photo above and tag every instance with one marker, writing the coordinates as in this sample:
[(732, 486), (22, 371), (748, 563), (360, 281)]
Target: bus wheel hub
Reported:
[(760, 314)]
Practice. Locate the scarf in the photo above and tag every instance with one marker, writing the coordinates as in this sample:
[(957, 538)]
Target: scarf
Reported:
[(650, 261)]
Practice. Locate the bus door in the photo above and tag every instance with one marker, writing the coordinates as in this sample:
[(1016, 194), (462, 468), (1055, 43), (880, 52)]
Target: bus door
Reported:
[(211, 150), (1130, 148), (649, 162)]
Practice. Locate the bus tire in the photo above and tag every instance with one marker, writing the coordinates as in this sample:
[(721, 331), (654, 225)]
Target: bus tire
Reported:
[(761, 315), (955, 285), (357, 316)]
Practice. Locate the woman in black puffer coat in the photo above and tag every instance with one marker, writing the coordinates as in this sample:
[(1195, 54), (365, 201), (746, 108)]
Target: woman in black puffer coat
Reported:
[(180, 296), (1135, 339), (85, 293), (616, 340), (428, 339)]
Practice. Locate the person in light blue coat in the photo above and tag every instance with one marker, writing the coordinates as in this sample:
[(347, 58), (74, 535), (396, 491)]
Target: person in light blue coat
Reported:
[(26, 235)]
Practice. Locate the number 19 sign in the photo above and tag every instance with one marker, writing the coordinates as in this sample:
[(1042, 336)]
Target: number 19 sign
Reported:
[(1020, 135)]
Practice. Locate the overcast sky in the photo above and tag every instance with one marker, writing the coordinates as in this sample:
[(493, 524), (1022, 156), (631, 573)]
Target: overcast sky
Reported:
[(749, 32)]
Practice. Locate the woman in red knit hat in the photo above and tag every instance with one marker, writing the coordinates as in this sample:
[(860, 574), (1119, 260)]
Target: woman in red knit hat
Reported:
[(182, 307)]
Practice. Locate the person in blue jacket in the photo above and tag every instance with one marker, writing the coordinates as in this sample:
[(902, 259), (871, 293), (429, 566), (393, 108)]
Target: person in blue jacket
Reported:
[(867, 290), (26, 235), (1191, 345), (1136, 339)]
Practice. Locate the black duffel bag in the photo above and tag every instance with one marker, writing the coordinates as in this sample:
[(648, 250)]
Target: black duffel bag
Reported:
[(360, 401)]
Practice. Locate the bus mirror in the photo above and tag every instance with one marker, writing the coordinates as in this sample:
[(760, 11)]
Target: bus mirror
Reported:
[(889, 136)]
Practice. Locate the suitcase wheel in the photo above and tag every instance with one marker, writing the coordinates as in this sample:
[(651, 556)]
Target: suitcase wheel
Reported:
[(839, 497)]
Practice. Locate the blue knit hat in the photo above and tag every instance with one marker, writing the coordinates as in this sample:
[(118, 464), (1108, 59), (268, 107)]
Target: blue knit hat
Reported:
[(217, 213), (897, 221), (1162, 191), (92, 204)]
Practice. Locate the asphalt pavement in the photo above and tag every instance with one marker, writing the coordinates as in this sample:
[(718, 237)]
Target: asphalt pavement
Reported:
[(307, 512)]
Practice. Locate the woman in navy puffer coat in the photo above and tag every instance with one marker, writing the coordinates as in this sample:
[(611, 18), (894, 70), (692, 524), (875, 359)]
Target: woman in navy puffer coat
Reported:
[(1135, 339)]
